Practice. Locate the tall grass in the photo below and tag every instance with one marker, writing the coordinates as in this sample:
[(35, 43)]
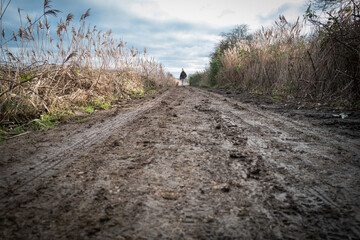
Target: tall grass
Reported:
[(269, 61), (45, 71), (282, 59)]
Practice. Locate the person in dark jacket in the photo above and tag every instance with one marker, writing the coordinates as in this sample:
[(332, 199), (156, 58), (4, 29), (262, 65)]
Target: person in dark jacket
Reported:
[(182, 77)]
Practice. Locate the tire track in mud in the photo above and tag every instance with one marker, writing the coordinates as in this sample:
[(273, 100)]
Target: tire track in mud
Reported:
[(55, 158), (198, 166), (192, 149), (283, 125), (239, 167), (284, 145), (294, 137)]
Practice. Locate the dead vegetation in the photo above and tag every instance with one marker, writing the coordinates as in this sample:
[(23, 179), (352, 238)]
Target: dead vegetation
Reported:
[(286, 60), (43, 71)]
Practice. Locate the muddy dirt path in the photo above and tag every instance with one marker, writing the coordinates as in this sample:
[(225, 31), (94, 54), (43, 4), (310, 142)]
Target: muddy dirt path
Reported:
[(189, 164)]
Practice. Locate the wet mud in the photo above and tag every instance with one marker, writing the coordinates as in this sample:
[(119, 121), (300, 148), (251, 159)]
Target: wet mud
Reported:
[(189, 164)]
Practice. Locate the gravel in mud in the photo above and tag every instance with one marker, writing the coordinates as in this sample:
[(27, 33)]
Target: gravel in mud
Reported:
[(188, 164)]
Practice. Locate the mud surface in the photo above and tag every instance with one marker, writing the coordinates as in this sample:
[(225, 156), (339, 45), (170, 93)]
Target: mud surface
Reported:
[(188, 164)]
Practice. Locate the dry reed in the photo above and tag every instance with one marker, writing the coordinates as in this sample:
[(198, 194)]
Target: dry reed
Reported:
[(283, 60), (42, 71)]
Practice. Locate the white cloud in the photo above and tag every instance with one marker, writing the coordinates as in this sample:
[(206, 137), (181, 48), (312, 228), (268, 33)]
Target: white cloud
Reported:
[(177, 33), (213, 12), (210, 12)]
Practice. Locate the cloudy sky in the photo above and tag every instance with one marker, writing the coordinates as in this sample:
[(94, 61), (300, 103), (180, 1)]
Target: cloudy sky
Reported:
[(179, 34)]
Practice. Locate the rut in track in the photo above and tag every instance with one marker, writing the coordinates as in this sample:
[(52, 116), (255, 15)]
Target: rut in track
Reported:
[(189, 164), (57, 156)]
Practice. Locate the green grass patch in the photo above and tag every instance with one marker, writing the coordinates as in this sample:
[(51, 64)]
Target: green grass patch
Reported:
[(50, 120), (105, 105), (19, 129), (100, 103), (89, 109)]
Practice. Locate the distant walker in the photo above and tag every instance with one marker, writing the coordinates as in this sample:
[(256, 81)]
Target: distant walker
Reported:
[(182, 77)]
